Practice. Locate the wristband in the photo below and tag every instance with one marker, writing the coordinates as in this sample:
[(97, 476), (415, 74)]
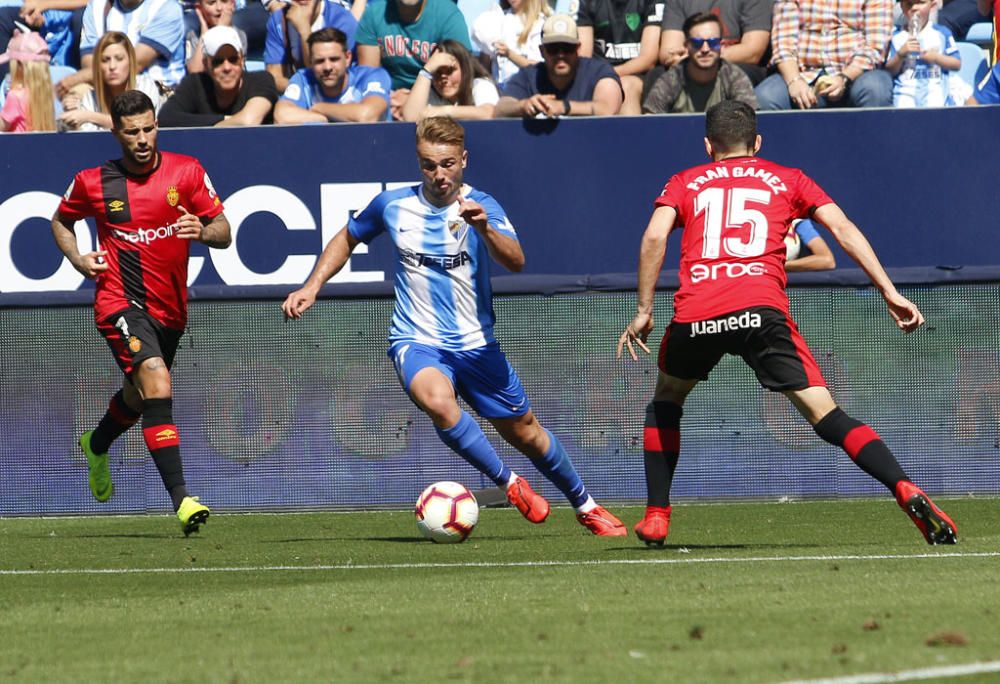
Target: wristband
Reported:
[(566, 107), (426, 74), (800, 77)]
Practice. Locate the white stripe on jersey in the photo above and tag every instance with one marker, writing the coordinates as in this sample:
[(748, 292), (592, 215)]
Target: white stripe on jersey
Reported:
[(442, 283)]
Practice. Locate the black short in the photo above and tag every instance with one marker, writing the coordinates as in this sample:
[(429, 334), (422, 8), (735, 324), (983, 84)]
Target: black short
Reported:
[(766, 338), (135, 336)]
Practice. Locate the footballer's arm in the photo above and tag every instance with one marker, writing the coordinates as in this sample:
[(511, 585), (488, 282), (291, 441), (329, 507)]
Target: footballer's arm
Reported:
[(651, 254), (89, 264), (216, 232), (334, 256)]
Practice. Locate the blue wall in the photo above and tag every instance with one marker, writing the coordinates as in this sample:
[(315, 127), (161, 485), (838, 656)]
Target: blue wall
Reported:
[(922, 184)]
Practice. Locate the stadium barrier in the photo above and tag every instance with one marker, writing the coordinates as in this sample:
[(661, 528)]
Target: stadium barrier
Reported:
[(309, 415)]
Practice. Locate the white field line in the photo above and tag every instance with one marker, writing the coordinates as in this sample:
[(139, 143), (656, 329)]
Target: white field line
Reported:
[(512, 564), (908, 675)]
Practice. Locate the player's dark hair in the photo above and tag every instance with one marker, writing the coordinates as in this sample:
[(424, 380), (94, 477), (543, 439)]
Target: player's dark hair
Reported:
[(328, 35), (130, 103), (731, 125), (469, 66), (700, 18), (441, 130)]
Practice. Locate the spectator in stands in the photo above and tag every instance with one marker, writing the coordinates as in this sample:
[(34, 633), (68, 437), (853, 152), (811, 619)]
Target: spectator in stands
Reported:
[(398, 35), (225, 94), (828, 54), (247, 16), (289, 28), (60, 22), (29, 105), (206, 14), (565, 84), (333, 89), (958, 16), (156, 30), (920, 63), (988, 90), (703, 78), (627, 36), (511, 39), (806, 250), (114, 70), (452, 83), (746, 32)]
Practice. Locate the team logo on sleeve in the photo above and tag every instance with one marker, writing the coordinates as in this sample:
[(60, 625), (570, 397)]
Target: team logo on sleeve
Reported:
[(173, 197), (209, 186), (69, 190)]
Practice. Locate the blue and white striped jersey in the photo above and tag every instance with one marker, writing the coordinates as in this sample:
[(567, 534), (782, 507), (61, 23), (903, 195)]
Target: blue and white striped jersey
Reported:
[(924, 85), (156, 23), (442, 283)]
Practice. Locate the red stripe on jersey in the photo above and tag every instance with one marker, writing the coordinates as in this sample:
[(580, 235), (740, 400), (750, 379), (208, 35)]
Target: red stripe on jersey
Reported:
[(857, 439), (814, 377), (661, 439), (160, 436)]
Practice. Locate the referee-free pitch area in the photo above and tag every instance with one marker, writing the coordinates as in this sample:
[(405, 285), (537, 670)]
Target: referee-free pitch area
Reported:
[(749, 592)]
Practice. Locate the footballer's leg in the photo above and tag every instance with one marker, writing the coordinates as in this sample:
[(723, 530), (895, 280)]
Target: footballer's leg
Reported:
[(871, 454), (661, 445), (546, 452), (123, 412)]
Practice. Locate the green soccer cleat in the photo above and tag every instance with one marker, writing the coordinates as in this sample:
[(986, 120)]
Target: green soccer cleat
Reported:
[(98, 472), (192, 515)]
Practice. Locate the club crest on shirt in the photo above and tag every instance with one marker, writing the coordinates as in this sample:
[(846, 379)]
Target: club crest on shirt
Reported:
[(173, 197), (134, 344)]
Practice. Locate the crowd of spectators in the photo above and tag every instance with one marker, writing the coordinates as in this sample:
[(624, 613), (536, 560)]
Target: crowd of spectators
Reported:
[(249, 62)]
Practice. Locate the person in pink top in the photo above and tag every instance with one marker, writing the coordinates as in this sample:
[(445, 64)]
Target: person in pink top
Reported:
[(29, 105)]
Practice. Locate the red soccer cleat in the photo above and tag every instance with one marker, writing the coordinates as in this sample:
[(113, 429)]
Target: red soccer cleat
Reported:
[(932, 522), (533, 506), (602, 523), (654, 528)]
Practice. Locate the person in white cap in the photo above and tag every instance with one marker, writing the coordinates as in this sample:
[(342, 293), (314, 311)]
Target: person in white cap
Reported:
[(225, 94), (565, 84)]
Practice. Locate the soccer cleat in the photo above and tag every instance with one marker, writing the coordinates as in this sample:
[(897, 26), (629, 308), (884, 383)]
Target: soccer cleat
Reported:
[(192, 514), (932, 522), (602, 523), (98, 472), (533, 506), (655, 526)]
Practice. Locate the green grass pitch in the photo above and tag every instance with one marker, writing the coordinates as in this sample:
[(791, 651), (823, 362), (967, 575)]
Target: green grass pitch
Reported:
[(748, 592)]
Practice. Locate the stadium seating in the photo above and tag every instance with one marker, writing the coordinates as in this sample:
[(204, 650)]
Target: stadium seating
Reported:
[(255, 65), (980, 33), (973, 63)]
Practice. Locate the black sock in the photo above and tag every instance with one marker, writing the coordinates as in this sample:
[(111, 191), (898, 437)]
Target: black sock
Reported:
[(117, 419), (863, 445), (164, 442), (661, 444)]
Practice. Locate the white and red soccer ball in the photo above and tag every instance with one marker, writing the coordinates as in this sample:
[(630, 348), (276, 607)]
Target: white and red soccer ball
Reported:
[(446, 512)]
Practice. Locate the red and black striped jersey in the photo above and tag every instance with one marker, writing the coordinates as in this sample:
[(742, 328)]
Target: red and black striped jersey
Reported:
[(135, 216), (735, 213)]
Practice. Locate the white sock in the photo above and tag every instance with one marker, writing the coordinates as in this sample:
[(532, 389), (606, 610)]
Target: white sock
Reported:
[(587, 506), (513, 476)]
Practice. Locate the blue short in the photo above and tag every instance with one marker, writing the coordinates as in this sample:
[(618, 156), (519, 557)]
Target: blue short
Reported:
[(483, 376)]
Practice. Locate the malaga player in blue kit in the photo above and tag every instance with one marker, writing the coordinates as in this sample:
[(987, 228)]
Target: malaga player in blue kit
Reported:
[(441, 337)]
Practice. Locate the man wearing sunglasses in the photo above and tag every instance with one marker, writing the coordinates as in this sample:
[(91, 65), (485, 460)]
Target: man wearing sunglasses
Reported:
[(224, 94), (565, 84), (702, 78)]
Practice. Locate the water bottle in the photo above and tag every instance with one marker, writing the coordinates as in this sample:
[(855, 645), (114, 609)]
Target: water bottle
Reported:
[(914, 29)]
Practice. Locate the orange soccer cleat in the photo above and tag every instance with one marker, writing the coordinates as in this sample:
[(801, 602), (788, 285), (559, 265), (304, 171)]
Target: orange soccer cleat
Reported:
[(655, 526), (602, 523), (533, 506), (932, 522)]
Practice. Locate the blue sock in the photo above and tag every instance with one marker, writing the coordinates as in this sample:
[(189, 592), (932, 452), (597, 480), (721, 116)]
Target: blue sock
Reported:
[(467, 440), (556, 466)]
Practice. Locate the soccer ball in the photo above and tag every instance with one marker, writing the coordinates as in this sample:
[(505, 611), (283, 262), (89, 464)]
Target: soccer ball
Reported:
[(446, 512)]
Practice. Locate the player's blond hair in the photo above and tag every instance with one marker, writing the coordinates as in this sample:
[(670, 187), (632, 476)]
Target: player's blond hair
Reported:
[(34, 77), (441, 130)]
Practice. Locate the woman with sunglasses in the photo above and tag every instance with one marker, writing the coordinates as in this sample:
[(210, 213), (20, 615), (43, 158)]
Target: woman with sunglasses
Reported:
[(114, 68), (452, 83), (225, 94), (701, 79)]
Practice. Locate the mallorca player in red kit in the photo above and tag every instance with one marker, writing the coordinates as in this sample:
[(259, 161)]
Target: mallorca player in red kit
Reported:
[(736, 212), (149, 206)]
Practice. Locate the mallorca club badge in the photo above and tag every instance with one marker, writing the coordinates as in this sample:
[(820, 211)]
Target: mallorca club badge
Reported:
[(134, 344), (173, 197)]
